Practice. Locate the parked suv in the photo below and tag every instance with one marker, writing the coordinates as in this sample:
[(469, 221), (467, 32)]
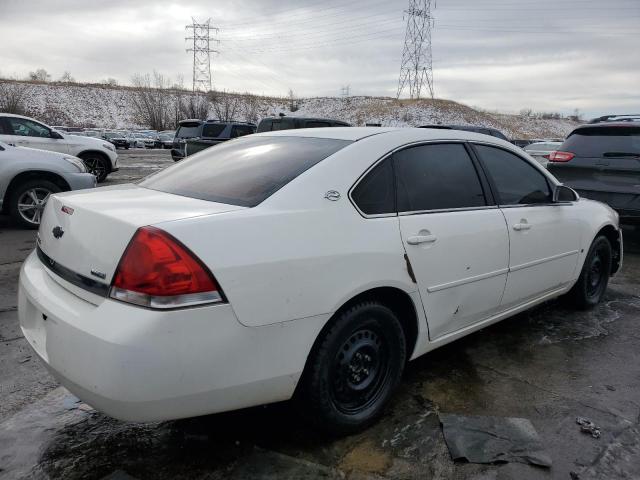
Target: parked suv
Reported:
[(29, 176), (194, 135), (287, 123), (98, 155), (602, 162)]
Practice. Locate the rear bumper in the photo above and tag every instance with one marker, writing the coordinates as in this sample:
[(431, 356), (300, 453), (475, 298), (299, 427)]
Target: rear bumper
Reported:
[(143, 365)]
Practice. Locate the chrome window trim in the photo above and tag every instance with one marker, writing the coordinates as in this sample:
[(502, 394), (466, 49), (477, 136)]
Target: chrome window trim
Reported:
[(445, 210), (402, 147)]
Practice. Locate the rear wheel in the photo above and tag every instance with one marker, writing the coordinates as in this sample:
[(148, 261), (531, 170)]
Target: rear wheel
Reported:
[(594, 277), (28, 200), (97, 165), (354, 369)]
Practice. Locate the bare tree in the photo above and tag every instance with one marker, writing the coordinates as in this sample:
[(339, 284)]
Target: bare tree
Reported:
[(293, 102), (13, 97), (40, 75), (225, 105), (250, 108), (67, 78), (194, 105), (110, 82), (151, 102)]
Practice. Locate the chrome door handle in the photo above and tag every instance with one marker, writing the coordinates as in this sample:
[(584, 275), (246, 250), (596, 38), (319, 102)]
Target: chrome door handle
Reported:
[(418, 239), (521, 226)]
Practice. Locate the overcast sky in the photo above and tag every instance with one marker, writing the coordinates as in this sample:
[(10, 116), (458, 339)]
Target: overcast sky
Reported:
[(548, 55)]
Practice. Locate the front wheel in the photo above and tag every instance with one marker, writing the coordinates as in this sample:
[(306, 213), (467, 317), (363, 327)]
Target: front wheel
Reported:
[(353, 369), (96, 165), (594, 277), (28, 200)]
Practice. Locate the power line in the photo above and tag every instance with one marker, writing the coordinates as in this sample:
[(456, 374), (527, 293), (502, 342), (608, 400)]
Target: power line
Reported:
[(416, 66)]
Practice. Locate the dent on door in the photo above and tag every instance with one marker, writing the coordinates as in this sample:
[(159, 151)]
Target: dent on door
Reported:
[(460, 261)]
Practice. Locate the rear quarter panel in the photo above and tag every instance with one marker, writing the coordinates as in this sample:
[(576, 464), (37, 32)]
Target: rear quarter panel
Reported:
[(298, 254)]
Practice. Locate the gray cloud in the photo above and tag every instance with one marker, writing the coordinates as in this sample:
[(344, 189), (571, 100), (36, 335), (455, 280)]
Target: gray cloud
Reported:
[(496, 54)]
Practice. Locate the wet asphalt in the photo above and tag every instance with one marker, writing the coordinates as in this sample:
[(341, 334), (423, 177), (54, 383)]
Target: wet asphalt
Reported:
[(549, 365)]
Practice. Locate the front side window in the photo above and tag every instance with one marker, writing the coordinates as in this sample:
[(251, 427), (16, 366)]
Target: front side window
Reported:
[(436, 177), (517, 182), (245, 171), (28, 128), (374, 194), (317, 124)]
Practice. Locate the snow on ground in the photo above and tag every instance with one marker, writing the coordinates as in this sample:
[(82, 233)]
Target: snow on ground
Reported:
[(109, 107)]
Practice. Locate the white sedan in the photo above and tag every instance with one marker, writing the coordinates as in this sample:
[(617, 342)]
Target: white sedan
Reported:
[(310, 264)]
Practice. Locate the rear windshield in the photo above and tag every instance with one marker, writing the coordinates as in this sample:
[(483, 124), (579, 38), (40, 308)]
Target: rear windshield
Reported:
[(603, 141), (188, 131), (245, 171)]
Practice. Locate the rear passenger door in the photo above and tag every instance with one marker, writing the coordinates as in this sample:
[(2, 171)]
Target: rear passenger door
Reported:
[(453, 234), (544, 237)]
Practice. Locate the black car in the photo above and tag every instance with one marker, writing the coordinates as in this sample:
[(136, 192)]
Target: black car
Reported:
[(471, 128), (117, 139), (194, 135), (288, 123), (601, 161)]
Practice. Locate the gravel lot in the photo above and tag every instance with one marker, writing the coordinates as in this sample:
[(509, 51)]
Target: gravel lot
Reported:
[(549, 365)]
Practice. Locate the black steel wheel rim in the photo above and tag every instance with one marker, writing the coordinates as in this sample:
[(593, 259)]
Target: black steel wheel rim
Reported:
[(596, 272), (95, 167), (359, 372)]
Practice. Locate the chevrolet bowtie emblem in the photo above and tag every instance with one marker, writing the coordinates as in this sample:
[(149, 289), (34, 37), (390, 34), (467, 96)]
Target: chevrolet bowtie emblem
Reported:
[(57, 232)]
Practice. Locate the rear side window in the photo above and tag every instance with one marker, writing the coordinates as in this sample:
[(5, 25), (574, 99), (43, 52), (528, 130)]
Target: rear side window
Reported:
[(603, 141), (434, 177), (213, 130), (374, 194), (188, 130), (517, 182), (245, 171), (241, 131), (316, 124)]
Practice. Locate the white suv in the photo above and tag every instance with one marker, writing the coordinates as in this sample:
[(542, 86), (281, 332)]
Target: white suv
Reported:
[(98, 155)]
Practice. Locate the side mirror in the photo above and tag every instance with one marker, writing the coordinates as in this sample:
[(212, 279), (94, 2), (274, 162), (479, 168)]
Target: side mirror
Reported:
[(56, 135), (562, 193)]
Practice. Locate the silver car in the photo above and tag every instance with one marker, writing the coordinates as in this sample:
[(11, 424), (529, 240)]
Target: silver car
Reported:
[(541, 151), (28, 176)]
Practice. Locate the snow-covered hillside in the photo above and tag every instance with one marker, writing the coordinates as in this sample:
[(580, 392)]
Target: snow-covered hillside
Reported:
[(111, 107)]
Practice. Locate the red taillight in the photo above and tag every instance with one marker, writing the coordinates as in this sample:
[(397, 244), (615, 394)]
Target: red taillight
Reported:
[(158, 271), (561, 156)]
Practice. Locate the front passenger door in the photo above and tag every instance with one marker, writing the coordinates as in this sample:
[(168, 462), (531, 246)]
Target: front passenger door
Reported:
[(544, 236), (453, 234), (27, 133)]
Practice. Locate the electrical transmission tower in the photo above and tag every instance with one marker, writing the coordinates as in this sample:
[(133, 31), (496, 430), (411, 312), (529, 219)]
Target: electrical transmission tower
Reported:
[(201, 37), (416, 67)]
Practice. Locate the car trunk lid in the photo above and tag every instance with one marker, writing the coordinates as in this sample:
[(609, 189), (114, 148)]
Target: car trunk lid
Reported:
[(83, 234)]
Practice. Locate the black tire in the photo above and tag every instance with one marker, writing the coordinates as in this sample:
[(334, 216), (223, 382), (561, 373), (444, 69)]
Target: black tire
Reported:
[(97, 165), (594, 277), (353, 369), (17, 203)]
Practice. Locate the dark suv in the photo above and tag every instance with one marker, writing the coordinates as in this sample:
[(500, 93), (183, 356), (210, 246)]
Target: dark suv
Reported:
[(601, 161), (287, 123), (194, 135), (472, 128)]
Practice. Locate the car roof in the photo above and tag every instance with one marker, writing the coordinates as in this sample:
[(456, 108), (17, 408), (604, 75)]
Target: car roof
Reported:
[(401, 135)]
